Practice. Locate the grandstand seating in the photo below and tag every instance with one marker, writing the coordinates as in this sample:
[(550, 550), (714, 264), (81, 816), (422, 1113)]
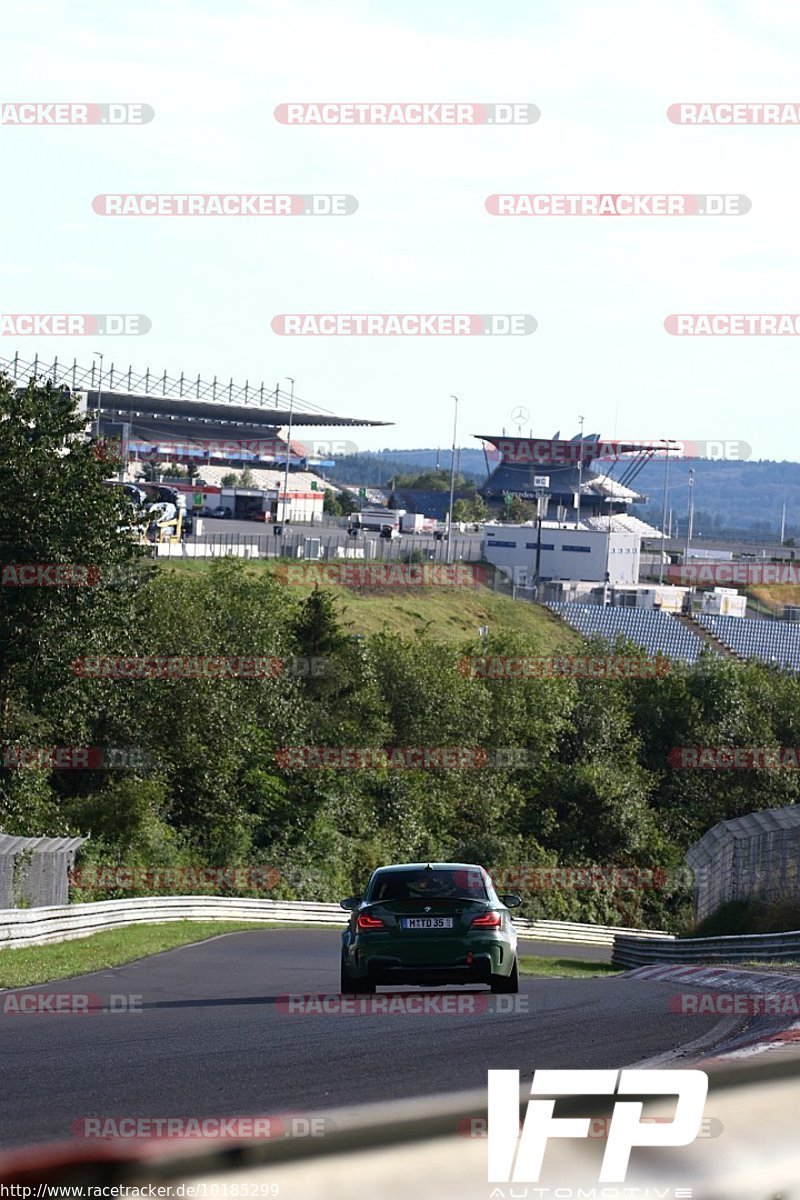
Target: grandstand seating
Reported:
[(647, 627), (775, 642)]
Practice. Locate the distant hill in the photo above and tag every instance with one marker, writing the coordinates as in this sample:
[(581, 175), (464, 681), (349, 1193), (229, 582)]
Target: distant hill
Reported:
[(735, 497)]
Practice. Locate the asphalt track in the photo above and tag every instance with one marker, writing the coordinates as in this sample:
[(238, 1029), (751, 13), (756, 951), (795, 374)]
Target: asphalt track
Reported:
[(212, 1041)]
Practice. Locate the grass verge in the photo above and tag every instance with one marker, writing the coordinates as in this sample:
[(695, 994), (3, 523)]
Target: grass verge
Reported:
[(570, 968), (24, 966)]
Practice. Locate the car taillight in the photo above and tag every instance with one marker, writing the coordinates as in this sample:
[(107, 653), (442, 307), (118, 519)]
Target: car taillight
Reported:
[(488, 920), (365, 921)]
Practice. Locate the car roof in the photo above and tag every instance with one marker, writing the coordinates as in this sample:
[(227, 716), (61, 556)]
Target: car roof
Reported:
[(422, 866)]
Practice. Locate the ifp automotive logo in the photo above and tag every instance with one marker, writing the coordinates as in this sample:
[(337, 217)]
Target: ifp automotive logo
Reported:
[(516, 1156)]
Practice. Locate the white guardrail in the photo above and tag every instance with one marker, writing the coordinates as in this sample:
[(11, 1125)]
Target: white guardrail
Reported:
[(636, 951), (38, 926)]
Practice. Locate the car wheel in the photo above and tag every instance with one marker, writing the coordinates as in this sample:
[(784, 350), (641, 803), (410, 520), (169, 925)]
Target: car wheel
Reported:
[(504, 984), (354, 987)]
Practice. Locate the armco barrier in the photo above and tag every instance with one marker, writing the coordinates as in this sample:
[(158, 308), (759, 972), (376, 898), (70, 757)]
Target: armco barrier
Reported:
[(636, 951), (573, 931), (38, 926)]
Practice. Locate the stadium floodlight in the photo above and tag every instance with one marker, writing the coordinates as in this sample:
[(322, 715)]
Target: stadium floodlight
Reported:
[(452, 476), (97, 354), (288, 453), (580, 478)]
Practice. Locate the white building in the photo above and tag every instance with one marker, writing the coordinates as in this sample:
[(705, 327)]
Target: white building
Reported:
[(565, 553), (722, 602)]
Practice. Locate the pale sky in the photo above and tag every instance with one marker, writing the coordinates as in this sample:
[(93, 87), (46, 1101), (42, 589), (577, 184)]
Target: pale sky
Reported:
[(421, 240)]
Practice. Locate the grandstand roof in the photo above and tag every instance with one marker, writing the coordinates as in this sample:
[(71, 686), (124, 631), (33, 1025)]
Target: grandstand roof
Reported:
[(606, 486), (622, 523), (188, 413)]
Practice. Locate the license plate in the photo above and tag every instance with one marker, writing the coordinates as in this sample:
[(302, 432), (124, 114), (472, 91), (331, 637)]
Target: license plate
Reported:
[(426, 923)]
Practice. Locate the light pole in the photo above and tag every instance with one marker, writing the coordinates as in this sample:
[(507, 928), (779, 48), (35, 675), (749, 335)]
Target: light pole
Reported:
[(288, 452), (452, 477), (542, 502), (580, 477), (690, 514), (608, 552), (664, 516), (97, 354)]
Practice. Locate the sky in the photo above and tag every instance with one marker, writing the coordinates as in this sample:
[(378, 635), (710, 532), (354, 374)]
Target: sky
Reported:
[(421, 240)]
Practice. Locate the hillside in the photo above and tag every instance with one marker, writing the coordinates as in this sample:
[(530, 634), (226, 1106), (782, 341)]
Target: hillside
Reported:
[(446, 612)]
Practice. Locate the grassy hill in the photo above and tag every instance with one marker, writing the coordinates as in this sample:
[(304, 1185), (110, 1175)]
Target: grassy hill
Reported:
[(453, 613), (773, 596)]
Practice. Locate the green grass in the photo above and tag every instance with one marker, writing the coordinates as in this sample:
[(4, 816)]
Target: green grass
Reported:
[(21, 967), (450, 613), (569, 968)]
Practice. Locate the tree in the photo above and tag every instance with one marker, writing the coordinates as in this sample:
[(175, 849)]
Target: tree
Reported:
[(475, 509), (347, 502), (331, 503), (430, 481), (64, 531), (229, 480), (151, 471), (518, 511), (246, 479)]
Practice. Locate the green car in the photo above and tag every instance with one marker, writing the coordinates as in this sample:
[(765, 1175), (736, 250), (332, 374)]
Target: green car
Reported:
[(430, 923)]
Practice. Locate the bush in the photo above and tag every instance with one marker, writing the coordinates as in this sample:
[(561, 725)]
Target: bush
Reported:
[(748, 916)]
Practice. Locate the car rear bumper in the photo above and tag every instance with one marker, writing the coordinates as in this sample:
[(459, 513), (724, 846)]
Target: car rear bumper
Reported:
[(390, 971), (453, 961)]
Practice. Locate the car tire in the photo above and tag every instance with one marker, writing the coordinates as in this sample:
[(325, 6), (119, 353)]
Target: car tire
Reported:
[(505, 984), (354, 987)]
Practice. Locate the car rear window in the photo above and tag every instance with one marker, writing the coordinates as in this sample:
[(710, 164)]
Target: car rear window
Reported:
[(426, 885)]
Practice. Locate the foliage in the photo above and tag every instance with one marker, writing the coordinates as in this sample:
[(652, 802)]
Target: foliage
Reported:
[(561, 771)]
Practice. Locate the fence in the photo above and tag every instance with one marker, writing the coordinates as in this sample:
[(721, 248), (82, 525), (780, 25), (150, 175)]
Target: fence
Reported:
[(37, 927), (292, 544), (756, 857), (35, 870)]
